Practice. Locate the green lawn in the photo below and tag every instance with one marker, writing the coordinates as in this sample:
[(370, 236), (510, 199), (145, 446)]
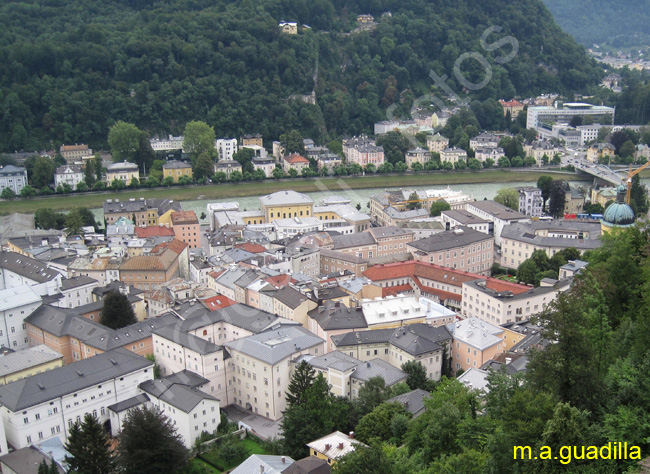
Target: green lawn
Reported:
[(223, 191), (252, 447), (204, 467)]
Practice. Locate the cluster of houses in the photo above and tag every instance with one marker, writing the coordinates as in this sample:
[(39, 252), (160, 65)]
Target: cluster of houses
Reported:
[(228, 310)]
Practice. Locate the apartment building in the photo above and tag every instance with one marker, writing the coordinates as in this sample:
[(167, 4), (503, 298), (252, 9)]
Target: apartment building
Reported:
[(71, 175), (123, 171), (164, 263), (334, 261), (16, 304), (436, 143), (18, 270), (462, 248), (499, 302), (474, 343), (226, 148), (176, 169), (186, 228), (530, 201), (259, 368), (13, 177), (142, 212), (498, 214), (167, 144), (417, 342), (291, 304), (296, 162), (286, 204), (461, 218), (227, 167), (417, 155), (46, 405), (27, 362), (519, 241), (484, 140), (73, 153), (453, 155), (363, 151)]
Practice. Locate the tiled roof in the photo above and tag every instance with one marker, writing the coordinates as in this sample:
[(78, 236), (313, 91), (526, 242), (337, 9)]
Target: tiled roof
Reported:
[(27, 267), (334, 445), (175, 164), (26, 358), (175, 334), (290, 297), (217, 302), (177, 395), (252, 248), (449, 239), (412, 401), (184, 217), (334, 315), (295, 158)]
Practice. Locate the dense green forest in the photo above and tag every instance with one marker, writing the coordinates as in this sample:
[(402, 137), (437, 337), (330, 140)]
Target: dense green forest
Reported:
[(70, 69), (589, 386), (619, 24)]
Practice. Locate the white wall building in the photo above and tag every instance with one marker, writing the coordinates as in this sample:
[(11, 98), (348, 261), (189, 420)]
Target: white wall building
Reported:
[(13, 177), (167, 144), (15, 305), (46, 405), (68, 174), (226, 147)]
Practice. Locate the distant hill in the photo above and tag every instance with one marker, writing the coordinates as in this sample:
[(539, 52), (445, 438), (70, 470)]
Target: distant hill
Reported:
[(71, 68), (618, 23)]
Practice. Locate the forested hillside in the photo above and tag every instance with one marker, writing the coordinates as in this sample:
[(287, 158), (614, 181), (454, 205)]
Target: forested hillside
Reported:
[(70, 69), (621, 23)]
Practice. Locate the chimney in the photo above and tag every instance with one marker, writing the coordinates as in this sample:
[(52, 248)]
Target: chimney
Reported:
[(340, 445), (261, 469), (327, 447), (283, 459), (351, 434)]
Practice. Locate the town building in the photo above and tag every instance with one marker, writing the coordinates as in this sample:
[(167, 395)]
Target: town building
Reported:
[(513, 106), (266, 464), (46, 405), (167, 144), (226, 148), (457, 218), (260, 367), (416, 342), (619, 214), (288, 28), (266, 164), (474, 343), (346, 375), (484, 140), (489, 153), (520, 240), (385, 126), (285, 204), (538, 117), (530, 201), (176, 169), (165, 262), (498, 214), (499, 302), (574, 200), (16, 304), (335, 445), (539, 149), (602, 195), (142, 212), (254, 139), (363, 151), (436, 143), (123, 171), (13, 177), (295, 161), (460, 248), (68, 174), (417, 155), (333, 261), (27, 362), (73, 153), (17, 270), (227, 166), (186, 228), (453, 155)]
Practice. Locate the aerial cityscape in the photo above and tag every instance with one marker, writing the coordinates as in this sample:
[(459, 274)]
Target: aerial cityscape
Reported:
[(339, 236)]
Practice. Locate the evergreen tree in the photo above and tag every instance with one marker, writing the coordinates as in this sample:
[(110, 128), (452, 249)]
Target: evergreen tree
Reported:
[(557, 198), (89, 448), (117, 311), (417, 375), (149, 444), (303, 378)]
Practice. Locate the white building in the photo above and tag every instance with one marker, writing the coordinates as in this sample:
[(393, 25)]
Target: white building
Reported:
[(77, 291), (492, 153), (15, 305), (453, 155), (496, 213), (530, 201), (226, 147), (259, 369), (484, 140), (46, 405), (13, 177), (563, 113), (18, 270), (68, 174), (167, 144), (436, 143), (385, 126)]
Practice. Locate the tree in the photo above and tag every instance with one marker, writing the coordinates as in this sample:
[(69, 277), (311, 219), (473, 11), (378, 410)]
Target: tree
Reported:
[(89, 448), (377, 424), (527, 271), (29, 191), (64, 188), (438, 206), (236, 176), (8, 193), (278, 173), (144, 155), (156, 367), (117, 184), (557, 198), (232, 450), (87, 217), (45, 218), (293, 172), (417, 167), (219, 177), (371, 168), (488, 163), (43, 468), (302, 378), (292, 142), (460, 165), (43, 173), (74, 223), (511, 147), (504, 162), (168, 181), (89, 175), (81, 187), (117, 311), (474, 164), (544, 184), (366, 460), (557, 159), (99, 186), (372, 394), (135, 182), (153, 182), (259, 175), (149, 444), (98, 167), (185, 180), (638, 196), (417, 375), (395, 146), (415, 202), (509, 197), (124, 140), (199, 138)]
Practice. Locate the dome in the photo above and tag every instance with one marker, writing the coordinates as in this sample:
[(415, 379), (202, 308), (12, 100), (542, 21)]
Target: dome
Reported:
[(619, 213)]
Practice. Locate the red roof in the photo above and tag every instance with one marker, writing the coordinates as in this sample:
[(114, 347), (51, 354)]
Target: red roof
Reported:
[(511, 103), (500, 285), (295, 158), (395, 290), (279, 281), (249, 247), (154, 231), (215, 274), (184, 217), (217, 302), (175, 245)]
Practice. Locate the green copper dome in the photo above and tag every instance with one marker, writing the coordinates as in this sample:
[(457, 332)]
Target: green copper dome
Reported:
[(619, 213)]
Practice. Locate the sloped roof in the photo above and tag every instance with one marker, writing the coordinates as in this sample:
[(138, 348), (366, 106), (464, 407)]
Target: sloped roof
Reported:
[(27, 267), (334, 315), (413, 401), (175, 334), (68, 379), (177, 395), (271, 464), (153, 231)]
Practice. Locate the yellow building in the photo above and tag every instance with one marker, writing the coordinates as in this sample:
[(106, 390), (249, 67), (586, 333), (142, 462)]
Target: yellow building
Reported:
[(27, 362), (176, 169), (603, 195), (332, 447), (124, 172), (286, 205)]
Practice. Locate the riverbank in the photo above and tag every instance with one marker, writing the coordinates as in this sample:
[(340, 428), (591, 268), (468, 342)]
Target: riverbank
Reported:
[(230, 190)]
